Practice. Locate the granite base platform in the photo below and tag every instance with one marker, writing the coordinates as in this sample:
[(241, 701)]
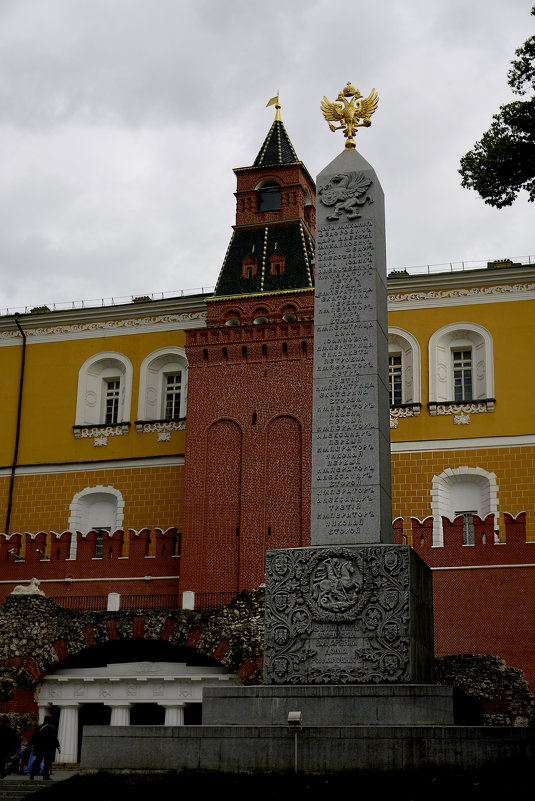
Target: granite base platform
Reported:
[(364, 705), (246, 749)]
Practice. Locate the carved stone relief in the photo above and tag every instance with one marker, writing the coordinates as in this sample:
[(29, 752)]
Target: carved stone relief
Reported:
[(337, 615)]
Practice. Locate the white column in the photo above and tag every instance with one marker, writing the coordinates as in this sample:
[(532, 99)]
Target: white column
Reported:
[(120, 714), (44, 710), (68, 734), (174, 714)]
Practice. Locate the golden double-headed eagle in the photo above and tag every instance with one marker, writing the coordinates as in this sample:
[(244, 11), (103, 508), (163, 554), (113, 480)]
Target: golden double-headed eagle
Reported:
[(348, 113)]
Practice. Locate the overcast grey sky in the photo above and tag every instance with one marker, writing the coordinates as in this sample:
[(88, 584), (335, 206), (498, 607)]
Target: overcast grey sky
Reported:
[(121, 121)]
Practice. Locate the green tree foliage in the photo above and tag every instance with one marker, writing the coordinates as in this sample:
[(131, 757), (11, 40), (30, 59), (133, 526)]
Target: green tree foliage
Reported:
[(503, 161)]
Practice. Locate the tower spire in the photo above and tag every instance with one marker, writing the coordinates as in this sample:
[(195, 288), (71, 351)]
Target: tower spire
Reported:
[(275, 100)]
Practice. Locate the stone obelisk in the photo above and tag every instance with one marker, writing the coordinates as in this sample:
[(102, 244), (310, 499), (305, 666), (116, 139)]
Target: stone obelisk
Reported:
[(353, 608), (351, 495)]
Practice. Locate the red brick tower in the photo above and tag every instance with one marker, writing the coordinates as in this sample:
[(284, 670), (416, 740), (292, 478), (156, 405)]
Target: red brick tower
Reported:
[(247, 477)]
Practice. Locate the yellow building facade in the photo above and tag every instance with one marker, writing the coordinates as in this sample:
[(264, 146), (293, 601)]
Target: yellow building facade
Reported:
[(460, 347), (101, 432)]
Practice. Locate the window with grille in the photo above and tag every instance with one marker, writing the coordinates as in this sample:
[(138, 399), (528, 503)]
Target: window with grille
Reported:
[(111, 400), (395, 379), (172, 389), (99, 543), (468, 527), (462, 375)]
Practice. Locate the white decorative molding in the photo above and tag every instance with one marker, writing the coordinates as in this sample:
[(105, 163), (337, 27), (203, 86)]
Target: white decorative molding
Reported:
[(459, 409), (163, 429), (102, 328), (100, 433), (460, 296), (403, 411), (461, 419)]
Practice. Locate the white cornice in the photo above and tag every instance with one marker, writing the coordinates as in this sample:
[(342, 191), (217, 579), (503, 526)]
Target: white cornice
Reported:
[(462, 278), (461, 288), (484, 567), (90, 326), (415, 446), (76, 467)]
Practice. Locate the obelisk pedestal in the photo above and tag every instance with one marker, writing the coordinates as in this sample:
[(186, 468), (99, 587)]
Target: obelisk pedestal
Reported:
[(353, 608)]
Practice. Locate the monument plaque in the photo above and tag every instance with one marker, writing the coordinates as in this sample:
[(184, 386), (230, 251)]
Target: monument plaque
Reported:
[(346, 616)]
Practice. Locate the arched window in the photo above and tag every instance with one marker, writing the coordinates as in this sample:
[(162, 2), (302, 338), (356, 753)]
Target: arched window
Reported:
[(463, 491), (163, 382), (104, 390), (95, 509), (403, 367), (461, 365), (269, 195)]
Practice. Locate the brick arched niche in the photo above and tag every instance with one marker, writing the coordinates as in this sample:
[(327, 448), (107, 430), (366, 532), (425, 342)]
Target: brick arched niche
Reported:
[(284, 483), (94, 508), (222, 505), (462, 485)]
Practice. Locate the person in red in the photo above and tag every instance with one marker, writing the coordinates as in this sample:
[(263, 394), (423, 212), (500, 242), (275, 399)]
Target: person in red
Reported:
[(44, 741)]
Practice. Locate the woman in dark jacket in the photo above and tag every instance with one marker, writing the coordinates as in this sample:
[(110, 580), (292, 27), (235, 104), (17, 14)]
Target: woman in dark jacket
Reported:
[(44, 741)]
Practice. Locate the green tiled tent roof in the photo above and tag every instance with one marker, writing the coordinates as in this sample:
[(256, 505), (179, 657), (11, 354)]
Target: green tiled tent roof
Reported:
[(291, 240), (277, 148)]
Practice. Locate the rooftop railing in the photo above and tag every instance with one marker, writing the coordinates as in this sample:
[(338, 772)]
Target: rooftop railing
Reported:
[(96, 303), (95, 603), (420, 269)]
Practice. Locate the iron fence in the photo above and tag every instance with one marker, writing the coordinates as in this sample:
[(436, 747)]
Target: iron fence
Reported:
[(95, 603)]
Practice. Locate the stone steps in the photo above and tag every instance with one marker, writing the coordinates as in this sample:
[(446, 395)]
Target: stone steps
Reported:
[(14, 787)]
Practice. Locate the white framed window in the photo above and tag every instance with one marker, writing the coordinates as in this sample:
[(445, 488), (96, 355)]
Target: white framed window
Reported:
[(461, 364), (104, 390), (463, 490), (395, 379), (173, 395), (403, 367), (462, 374), (112, 395), (163, 382)]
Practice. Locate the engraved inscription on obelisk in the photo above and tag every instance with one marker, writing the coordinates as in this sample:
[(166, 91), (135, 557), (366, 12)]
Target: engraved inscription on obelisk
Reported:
[(351, 496)]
